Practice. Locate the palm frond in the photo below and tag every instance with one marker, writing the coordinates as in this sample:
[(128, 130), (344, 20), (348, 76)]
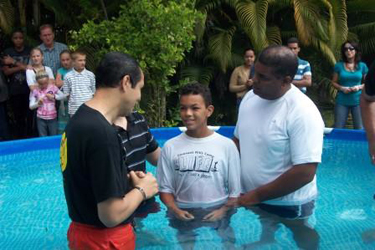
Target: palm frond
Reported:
[(273, 35), (325, 50), (253, 17), (200, 27), (220, 47), (361, 6), (6, 16), (364, 30), (337, 25), (368, 46), (307, 19), (198, 73)]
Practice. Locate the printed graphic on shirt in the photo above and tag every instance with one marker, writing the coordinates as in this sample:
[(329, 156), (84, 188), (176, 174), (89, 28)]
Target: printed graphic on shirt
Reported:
[(195, 161), (63, 152)]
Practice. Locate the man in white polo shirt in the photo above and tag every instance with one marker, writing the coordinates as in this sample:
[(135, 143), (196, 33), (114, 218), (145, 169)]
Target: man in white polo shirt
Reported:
[(279, 133)]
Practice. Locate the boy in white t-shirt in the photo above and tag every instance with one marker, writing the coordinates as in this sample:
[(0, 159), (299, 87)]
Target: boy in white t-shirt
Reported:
[(199, 171)]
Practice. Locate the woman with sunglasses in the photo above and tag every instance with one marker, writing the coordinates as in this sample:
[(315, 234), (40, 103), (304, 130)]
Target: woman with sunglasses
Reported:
[(348, 78)]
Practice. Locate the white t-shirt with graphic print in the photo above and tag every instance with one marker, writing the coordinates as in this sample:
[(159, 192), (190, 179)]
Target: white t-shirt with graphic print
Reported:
[(199, 172)]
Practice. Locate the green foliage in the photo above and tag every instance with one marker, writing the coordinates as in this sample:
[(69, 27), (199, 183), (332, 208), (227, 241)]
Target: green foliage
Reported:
[(157, 33)]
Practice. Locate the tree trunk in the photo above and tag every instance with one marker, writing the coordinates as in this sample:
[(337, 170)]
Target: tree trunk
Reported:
[(36, 13), (156, 106), (104, 9)]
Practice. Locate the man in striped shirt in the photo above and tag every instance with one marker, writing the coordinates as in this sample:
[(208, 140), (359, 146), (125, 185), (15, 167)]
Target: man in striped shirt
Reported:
[(79, 83), (302, 79), (139, 145), (51, 49)]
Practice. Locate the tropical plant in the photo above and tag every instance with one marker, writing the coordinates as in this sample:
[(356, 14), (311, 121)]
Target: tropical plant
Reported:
[(6, 16), (156, 33)]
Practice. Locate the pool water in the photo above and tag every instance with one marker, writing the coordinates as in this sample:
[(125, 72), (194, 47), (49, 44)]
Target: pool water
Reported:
[(33, 212)]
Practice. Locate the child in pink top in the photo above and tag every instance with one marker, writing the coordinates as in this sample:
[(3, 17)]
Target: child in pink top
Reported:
[(43, 98)]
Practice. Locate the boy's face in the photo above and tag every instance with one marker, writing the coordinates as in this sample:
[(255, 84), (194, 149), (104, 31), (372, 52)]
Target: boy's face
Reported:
[(80, 62), (194, 113), (18, 39)]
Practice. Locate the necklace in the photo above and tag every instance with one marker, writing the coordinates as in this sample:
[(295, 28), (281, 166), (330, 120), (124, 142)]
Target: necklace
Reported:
[(350, 67)]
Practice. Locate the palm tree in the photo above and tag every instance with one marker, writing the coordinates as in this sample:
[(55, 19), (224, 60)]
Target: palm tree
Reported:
[(6, 16)]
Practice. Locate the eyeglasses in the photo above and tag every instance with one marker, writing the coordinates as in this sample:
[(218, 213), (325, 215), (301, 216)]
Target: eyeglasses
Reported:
[(349, 48)]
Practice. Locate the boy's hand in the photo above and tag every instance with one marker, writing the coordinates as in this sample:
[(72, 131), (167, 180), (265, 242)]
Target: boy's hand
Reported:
[(215, 215), (183, 215), (7, 60)]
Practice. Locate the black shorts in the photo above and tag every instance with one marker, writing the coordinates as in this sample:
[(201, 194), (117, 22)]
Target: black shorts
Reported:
[(149, 207), (290, 212)]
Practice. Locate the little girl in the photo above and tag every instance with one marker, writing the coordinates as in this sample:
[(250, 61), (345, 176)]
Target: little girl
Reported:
[(43, 98), (36, 56), (66, 63)]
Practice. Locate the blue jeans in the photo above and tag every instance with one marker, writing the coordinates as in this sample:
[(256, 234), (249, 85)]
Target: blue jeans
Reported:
[(46, 127), (341, 116)]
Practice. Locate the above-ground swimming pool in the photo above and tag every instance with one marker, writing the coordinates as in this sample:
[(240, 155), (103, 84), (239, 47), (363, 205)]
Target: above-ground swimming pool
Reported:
[(33, 212)]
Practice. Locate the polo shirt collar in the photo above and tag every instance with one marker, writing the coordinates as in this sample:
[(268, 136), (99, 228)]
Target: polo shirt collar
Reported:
[(44, 48)]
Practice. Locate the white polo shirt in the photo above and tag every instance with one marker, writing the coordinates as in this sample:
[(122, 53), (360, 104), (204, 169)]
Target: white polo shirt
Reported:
[(276, 134)]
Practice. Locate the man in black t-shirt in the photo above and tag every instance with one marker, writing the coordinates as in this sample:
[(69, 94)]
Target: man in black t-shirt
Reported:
[(100, 197), (17, 58), (368, 110)]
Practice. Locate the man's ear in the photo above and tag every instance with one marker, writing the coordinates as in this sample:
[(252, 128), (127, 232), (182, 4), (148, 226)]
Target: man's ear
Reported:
[(210, 110), (287, 80), (125, 83)]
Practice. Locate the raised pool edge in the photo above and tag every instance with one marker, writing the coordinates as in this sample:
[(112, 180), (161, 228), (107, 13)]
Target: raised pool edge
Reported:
[(53, 142)]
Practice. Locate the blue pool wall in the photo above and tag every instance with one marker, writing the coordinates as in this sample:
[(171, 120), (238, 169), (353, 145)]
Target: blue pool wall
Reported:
[(52, 142)]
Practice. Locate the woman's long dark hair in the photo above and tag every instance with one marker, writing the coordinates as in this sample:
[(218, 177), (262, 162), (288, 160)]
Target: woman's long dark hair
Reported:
[(357, 57)]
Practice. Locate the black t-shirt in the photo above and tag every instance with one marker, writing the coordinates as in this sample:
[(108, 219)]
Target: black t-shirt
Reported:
[(370, 81), (17, 81), (92, 163), (137, 142)]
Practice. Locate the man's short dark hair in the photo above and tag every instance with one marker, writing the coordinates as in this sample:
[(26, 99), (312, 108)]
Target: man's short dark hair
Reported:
[(17, 30), (281, 59), (293, 40), (196, 88), (113, 67)]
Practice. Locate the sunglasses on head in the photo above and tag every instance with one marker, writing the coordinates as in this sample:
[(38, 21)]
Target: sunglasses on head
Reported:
[(349, 48)]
